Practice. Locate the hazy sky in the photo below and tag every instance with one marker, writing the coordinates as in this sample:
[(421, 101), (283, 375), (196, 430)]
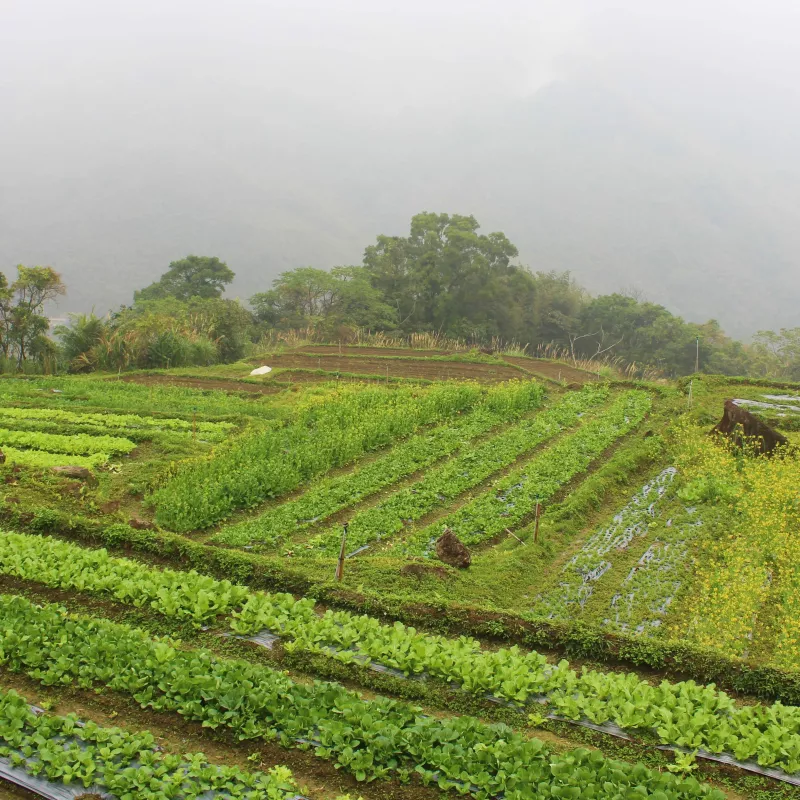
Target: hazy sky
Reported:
[(380, 56), (120, 120)]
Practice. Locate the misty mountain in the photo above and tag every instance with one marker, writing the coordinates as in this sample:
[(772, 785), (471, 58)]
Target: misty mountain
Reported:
[(579, 177)]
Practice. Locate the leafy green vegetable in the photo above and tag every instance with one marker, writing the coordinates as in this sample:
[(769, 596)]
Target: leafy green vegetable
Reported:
[(211, 431), (369, 738), (470, 466), (185, 595), (39, 458), (64, 750), (73, 445), (324, 434), (331, 494), (680, 714), (514, 497)]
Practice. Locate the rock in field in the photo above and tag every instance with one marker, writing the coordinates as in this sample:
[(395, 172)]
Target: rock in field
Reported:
[(140, 524), (80, 473)]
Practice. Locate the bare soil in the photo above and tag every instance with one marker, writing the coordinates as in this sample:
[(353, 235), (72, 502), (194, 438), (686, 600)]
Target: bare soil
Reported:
[(353, 350), (298, 376), (10, 792), (402, 367)]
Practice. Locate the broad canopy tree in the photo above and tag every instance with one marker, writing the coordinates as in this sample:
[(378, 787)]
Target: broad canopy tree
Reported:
[(194, 276), (309, 296), (446, 276), (777, 354), (646, 333)]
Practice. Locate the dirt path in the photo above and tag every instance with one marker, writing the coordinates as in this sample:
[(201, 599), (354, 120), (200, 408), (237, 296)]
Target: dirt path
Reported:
[(554, 370)]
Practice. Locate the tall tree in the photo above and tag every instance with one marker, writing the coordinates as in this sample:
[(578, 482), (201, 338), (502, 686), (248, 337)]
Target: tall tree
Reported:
[(446, 276), (193, 276), (558, 304), (23, 324), (309, 296), (649, 334), (777, 355)]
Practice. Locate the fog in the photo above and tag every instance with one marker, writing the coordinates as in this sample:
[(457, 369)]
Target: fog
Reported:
[(638, 144)]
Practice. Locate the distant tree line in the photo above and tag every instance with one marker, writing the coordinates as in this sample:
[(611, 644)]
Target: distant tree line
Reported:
[(445, 277)]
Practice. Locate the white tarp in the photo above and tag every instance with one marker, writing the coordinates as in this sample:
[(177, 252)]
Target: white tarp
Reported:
[(261, 370)]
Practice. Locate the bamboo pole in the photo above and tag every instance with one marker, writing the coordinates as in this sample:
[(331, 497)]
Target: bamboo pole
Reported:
[(340, 563)]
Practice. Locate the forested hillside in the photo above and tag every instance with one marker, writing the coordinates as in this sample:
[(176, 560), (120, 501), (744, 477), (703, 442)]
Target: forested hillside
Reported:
[(578, 177)]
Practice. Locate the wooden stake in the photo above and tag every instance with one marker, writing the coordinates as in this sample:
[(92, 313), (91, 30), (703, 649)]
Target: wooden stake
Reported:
[(340, 564), (515, 536), (536, 526)]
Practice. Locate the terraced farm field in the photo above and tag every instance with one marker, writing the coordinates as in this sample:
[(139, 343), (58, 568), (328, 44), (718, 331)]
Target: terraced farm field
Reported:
[(172, 625)]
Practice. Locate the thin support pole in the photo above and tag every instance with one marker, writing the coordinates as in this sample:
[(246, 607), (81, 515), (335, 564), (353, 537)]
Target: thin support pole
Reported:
[(340, 563), (515, 536)]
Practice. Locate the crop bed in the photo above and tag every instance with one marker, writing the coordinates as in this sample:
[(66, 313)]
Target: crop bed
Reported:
[(658, 545), (466, 469), (425, 368), (681, 714), (369, 738), (331, 495), (61, 756)]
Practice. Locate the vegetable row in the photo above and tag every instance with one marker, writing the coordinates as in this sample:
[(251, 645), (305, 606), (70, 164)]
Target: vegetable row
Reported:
[(70, 445), (68, 752), (468, 468), (71, 392), (648, 592), (682, 714), (513, 498), (182, 595), (125, 423), (42, 459), (329, 495), (175, 440), (321, 436), (369, 738)]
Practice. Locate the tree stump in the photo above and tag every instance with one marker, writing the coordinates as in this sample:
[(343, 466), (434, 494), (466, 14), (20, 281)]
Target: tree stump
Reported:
[(742, 427), (451, 550)]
